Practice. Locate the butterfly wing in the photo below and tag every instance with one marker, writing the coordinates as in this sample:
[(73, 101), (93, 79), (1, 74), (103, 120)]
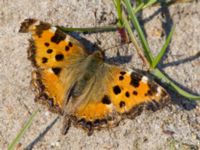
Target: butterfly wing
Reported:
[(113, 93), (90, 96), (54, 54)]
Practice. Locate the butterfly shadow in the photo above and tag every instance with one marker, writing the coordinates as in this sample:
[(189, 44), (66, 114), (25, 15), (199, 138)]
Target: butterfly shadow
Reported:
[(41, 135), (184, 102), (92, 47), (182, 61)]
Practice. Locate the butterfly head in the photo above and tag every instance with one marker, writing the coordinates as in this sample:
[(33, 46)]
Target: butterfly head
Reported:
[(99, 54)]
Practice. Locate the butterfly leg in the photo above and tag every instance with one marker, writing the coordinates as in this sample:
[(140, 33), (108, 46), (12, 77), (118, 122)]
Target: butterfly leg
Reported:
[(66, 124), (90, 129)]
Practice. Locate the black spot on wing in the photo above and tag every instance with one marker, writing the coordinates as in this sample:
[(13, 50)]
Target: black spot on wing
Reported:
[(135, 93), (70, 44), (67, 48), (122, 104), (122, 72), (46, 44), (149, 93), (106, 100), (58, 36), (127, 94), (116, 90), (135, 79), (49, 51), (59, 57), (121, 78), (56, 70), (44, 60)]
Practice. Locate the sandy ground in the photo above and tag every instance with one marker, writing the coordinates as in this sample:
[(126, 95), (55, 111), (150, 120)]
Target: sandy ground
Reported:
[(174, 127)]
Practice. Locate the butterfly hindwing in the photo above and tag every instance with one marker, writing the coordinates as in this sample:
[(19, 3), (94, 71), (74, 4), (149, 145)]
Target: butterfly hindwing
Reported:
[(113, 93)]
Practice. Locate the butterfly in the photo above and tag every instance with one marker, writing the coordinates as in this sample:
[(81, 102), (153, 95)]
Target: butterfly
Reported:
[(83, 88)]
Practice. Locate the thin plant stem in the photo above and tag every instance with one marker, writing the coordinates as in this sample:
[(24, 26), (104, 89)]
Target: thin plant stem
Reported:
[(22, 132), (137, 26), (133, 40), (89, 30)]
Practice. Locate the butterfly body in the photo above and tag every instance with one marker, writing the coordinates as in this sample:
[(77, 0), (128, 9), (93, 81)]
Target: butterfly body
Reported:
[(85, 89)]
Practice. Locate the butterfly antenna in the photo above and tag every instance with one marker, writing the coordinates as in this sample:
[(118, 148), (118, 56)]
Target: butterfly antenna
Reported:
[(97, 41), (123, 37), (119, 45)]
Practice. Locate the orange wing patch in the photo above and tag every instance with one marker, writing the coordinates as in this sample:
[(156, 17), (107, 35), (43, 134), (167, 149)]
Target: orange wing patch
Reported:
[(93, 111), (131, 89)]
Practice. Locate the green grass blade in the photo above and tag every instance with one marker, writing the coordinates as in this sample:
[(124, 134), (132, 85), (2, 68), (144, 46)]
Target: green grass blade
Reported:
[(138, 2), (163, 49), (119, 12), (143, 5), (89, 30), (133, 39), (162, 77), (138, 8), (22, 132), (150, 3), (142, 38)]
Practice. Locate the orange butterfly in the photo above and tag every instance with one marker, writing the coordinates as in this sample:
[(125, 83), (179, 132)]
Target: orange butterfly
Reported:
[(81, 86)]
